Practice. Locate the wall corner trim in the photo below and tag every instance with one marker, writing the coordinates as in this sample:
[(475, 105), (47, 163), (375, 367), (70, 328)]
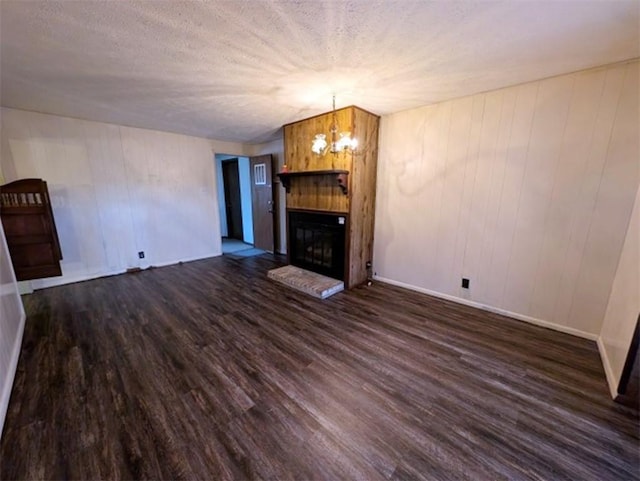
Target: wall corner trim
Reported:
[(608, 370)]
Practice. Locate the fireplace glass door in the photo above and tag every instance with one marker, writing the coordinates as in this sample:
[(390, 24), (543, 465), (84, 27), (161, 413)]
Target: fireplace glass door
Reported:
[(316, 242)]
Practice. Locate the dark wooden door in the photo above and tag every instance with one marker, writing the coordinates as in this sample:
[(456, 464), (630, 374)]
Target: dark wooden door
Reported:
[(30, 230), (233, 204), (262, 199)]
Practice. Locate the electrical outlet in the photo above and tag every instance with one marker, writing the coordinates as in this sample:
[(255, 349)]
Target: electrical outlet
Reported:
[(141, 255), (465, 283)]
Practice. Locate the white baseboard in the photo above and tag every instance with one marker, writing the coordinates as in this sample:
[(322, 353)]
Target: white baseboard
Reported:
[(187, 259), (608, 371), (25, 287), (60, 281), (5, 395), (496, 310)]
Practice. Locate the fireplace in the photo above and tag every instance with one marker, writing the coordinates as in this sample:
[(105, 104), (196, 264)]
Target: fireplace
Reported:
[(317, 242)]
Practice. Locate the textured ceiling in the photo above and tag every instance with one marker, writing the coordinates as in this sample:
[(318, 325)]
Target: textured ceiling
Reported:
[(237, 70)]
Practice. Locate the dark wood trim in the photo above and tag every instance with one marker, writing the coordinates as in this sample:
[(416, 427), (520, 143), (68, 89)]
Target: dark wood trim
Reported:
[(318, 211), (341, 176)]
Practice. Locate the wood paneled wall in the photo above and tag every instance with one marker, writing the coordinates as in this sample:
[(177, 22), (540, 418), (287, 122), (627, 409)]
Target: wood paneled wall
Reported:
[(320, 192), (527, 191), (323, 193), (362, 178), (117, 190), (317, 193), (298, 137)]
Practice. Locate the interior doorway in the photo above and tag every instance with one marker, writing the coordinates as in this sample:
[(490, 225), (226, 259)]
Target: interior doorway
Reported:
[(233, 203), (246, 203)]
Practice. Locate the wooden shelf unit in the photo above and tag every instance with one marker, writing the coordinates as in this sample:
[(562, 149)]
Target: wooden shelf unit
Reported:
[(344, 182), (341, 177)]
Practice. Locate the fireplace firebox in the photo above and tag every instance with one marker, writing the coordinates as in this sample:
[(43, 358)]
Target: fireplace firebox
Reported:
[(317, 242)]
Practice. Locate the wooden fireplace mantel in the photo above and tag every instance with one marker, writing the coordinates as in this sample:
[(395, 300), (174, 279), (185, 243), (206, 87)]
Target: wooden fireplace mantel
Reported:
[(311, 182), (341, 176)]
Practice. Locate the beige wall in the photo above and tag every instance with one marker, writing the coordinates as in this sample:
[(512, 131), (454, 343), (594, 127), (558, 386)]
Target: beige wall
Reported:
[(11, 327), (118, 190), (527, 191), (624, 304)]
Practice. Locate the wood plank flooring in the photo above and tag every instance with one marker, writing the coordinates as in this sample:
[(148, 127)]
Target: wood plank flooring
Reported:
[(208, 370)]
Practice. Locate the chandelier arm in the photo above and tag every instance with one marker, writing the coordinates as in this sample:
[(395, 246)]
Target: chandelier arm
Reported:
[(335, 145)]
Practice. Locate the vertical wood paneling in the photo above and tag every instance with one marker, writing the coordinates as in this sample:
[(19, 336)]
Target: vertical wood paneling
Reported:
[(589, 183), (612, 210), (135, 165), (439, 144), (413, 173), (363, 196), (298, 152), (496, 187), (576, 144), (322, 193), (481, 185), (452, 188), (83, 202), (110, 186), (516, 161), (542, 158), (317, 193), (470, 160), (525, 190), (116, 191)]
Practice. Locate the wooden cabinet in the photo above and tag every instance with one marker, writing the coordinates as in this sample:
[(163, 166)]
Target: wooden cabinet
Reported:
[(32, 238), (343, 182)]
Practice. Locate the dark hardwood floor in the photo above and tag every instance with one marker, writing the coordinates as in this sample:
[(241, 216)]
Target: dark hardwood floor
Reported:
[(208, 370)]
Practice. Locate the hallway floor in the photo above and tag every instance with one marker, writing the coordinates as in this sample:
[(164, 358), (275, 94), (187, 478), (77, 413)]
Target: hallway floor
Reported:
[(230, 245)]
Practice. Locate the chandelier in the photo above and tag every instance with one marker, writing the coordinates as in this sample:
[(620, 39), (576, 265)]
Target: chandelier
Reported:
[(340, 141)]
